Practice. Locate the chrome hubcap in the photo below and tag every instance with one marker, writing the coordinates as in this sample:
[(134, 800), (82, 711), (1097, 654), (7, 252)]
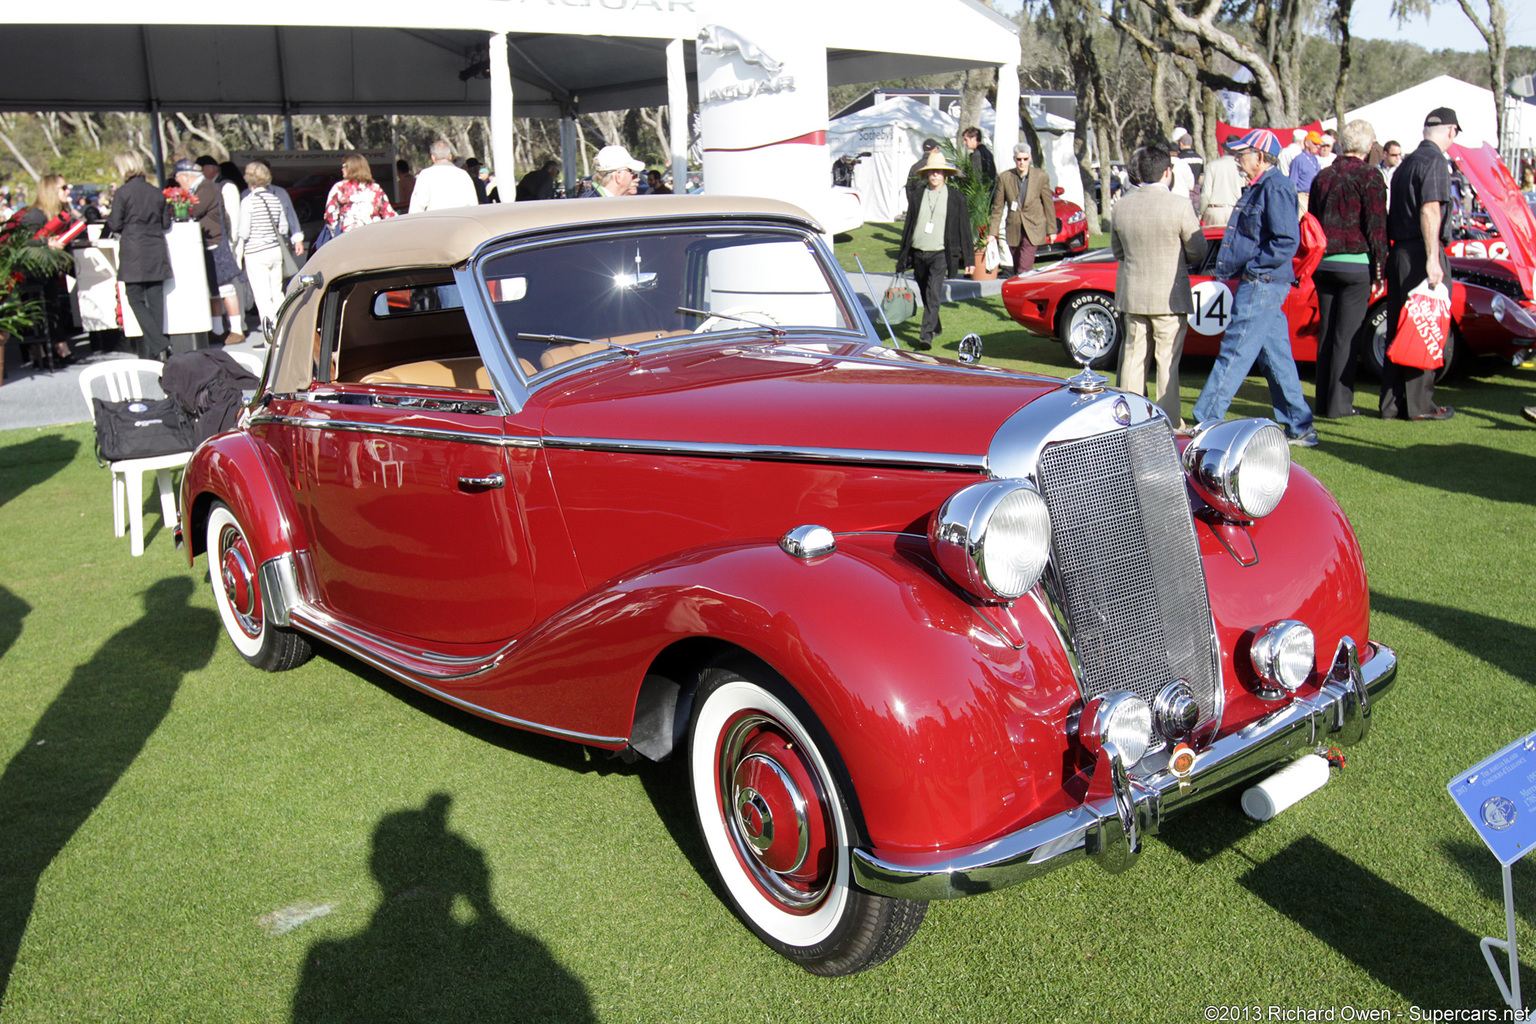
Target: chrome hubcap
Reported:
[(774, 812), (238, 579)]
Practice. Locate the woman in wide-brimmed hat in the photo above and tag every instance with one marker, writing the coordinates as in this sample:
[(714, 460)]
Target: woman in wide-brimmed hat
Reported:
[(936, 241)]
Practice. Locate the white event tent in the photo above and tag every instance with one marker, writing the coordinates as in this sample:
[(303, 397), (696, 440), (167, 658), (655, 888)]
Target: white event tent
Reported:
[(504, 58), (892, 132), (1401, 115)]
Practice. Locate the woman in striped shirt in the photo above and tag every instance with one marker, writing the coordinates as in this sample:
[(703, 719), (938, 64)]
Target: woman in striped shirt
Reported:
[(263, 228)]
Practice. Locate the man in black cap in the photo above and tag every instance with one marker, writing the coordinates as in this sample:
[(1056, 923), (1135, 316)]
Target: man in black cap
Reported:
[(1418, 227)]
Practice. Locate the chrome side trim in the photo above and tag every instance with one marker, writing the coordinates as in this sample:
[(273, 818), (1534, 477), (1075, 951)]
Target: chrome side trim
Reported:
[(720, 450), (395, 430), (279, 589), (1119, 811), (333, 633)]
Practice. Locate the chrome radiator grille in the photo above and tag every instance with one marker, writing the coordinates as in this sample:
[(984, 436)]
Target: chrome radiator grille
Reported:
[(1126, 566)]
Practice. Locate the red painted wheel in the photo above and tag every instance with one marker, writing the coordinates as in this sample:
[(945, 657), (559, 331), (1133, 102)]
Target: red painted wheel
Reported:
[(778, 832), (235, 577)]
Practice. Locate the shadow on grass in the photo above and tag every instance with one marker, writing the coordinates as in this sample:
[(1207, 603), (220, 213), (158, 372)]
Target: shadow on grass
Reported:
[(1507, 646), (24, 466), (1216, 827), (436, 949), (1483, 471), (559, 753), (12, 610), (1483, 869), (1419, 953), (87, 739)]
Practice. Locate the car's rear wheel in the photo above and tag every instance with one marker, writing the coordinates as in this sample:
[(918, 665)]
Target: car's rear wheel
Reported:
[(233, 574), (777, 831), (1093, 312)]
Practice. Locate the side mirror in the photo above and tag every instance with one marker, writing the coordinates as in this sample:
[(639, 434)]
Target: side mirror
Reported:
[(970, 348), (1060, 191)]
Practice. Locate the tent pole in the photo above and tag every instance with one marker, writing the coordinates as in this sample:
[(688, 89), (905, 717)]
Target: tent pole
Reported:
[(1005, 128), (157, 141), (568, 150), (677, 106), (502, 152)]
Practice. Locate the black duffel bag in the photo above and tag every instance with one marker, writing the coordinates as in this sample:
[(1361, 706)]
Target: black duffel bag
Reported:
[(141, 428)]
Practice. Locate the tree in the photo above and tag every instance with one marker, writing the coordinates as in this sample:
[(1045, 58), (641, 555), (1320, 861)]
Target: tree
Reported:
[(1494, 33)]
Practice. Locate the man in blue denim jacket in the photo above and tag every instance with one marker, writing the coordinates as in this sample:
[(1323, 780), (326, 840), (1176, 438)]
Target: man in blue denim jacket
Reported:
[(1260, 242)]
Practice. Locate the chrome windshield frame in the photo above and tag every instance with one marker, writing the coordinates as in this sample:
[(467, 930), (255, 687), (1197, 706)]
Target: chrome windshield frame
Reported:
[(496, 350)]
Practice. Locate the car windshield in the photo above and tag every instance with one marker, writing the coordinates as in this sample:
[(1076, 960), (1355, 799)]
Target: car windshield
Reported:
[(559, 301)]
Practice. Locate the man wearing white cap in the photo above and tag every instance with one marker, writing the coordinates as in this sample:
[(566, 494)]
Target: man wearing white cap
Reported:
[(614, 173)]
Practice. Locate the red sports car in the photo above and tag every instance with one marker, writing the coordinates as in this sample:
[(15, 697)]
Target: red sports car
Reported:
[(638, 474), (1072, 236), (1493, 305)]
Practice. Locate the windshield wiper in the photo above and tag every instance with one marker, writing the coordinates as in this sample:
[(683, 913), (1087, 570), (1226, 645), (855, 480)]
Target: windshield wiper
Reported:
[(777, 332), (566, 339)]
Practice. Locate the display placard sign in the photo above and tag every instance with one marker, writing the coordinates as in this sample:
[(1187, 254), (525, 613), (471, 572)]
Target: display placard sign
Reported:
[(1498, 796)]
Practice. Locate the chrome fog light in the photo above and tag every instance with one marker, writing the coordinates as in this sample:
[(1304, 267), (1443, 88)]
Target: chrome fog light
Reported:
[(1121, 718), (993, 538), (1284, 654), (1240, 467)]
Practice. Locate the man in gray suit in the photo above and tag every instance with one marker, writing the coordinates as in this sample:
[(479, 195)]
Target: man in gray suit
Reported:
[(1154, 232)]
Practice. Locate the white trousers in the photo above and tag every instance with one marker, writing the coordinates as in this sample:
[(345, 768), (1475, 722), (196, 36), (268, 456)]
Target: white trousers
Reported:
[(264, 269)]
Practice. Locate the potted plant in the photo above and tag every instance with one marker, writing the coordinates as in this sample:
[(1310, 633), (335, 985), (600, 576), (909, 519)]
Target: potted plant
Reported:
[(978, 201), (21, 312)]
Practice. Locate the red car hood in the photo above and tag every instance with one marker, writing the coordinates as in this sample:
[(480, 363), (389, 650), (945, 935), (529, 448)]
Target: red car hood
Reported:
[(1501, 197), (784, 396)]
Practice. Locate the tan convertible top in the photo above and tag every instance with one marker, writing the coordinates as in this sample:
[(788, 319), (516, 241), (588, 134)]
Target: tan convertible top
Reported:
[(447, 237), (444, 238)]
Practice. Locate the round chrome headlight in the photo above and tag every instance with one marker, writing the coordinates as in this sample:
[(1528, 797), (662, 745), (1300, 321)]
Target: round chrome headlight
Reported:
[(1240, 467), (993, 538), (1121, 718), (1283, 655)]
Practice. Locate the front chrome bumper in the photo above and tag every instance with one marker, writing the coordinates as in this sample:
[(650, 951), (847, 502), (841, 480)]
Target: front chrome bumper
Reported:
[(1120, 809)]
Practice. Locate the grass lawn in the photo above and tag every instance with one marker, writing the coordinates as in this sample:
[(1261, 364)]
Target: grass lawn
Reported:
[(183, 838)]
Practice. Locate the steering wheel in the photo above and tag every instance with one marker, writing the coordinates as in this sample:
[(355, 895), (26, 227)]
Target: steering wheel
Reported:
[(736, 317)]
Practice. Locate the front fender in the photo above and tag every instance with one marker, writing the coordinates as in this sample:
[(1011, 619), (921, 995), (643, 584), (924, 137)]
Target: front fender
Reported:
[(949, 733), (1301, 562), (238, 470)]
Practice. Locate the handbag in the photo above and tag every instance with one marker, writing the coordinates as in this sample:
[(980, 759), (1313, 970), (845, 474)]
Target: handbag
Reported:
[(284, 246), (141, 428), (326, 234), (991, 260), (1422, 328), (899, 302)]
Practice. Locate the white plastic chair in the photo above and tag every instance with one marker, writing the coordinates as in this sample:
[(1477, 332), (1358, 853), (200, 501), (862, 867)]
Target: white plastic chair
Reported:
[(124, 379)]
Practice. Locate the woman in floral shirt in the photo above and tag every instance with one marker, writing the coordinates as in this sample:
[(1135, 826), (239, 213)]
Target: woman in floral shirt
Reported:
[(356, 199)]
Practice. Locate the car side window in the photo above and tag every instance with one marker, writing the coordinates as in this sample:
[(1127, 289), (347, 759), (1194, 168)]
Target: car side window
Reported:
[(405, 329)]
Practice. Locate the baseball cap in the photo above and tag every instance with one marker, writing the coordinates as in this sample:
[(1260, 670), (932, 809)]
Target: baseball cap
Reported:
[(1442, 115), (1261, 139), (929, 144), (185, 166), (613, 158)]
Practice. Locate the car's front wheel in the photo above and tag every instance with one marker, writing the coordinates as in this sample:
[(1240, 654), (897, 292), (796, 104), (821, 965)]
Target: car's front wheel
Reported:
[(1095, 314), (234, 576), (778, 832)]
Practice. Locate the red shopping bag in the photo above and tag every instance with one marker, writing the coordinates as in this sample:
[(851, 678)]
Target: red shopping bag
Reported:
[(1422, 329)]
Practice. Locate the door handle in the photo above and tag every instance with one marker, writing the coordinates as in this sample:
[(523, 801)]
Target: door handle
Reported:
[(483, 483)]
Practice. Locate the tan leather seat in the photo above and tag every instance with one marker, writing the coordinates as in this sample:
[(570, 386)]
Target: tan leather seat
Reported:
[(463, 372)]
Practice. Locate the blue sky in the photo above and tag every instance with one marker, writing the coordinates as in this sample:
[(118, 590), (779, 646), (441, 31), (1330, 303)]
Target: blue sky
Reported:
[(1446, 28)]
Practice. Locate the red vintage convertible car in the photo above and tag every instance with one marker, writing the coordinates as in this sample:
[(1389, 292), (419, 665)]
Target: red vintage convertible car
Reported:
[(638, 474), (1493, 304)]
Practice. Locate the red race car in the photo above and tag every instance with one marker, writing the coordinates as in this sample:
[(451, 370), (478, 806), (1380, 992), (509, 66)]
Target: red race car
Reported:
[(1493, 304)]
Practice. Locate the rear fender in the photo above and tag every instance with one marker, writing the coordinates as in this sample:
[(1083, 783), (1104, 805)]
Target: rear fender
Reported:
[(949, 732), (239, 471)]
